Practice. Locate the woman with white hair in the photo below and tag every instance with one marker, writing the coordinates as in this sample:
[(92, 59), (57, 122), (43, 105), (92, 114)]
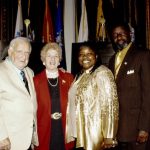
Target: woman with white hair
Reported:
[(52, 87)]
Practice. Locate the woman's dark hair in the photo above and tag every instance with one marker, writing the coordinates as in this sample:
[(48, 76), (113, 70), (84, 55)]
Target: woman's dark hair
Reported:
[(94, 48)]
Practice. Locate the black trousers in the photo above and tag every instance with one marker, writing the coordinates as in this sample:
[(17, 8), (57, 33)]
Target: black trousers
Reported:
[(130, 146)]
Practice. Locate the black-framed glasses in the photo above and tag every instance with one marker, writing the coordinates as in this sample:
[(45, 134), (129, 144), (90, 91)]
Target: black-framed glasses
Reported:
[(116, 35)]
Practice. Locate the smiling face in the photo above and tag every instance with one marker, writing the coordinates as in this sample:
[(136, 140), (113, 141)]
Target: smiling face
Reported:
[(19, 54), (86, 58), (52, 60), (121, 37)]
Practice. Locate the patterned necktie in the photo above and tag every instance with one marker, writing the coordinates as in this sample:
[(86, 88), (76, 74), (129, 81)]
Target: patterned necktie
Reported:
[(25, 80)]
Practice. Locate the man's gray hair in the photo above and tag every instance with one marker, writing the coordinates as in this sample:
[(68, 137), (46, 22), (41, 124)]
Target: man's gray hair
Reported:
[(17, 40)]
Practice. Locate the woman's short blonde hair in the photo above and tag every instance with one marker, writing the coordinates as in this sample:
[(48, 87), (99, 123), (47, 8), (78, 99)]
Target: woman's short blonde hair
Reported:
[(50, 46)]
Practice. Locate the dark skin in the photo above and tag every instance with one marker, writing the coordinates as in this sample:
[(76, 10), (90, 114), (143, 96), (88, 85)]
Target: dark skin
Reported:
[(87, 59), (121, 38)]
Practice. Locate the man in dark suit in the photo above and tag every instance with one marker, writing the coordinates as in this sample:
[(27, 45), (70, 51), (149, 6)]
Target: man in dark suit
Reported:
[(131, 68)]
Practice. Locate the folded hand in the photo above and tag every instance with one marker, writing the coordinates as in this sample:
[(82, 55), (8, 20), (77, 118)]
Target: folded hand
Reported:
[(5, 144), (142, 136), (108, 143)]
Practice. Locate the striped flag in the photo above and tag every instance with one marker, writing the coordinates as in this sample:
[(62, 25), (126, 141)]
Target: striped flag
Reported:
[(48, 32), (83, 29), (19, 21), (59, 33)]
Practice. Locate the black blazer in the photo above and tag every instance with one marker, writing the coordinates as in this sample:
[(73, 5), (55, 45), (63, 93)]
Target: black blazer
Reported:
[(133, 86)]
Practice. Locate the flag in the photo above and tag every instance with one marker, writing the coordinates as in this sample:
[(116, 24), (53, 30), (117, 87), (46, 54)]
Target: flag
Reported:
[(69, 29), (28, 22), (100, 29), (48, 32), (59, 33), (19, 21), (83, 29)]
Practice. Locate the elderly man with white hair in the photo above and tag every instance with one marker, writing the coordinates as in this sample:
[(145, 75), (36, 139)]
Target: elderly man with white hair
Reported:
[(17, 99)]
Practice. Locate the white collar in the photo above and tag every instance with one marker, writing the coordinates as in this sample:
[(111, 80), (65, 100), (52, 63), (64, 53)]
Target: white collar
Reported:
[(51, 74), (88, 70)]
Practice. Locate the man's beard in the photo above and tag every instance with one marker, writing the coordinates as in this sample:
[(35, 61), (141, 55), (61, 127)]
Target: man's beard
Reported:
[(121, 46)]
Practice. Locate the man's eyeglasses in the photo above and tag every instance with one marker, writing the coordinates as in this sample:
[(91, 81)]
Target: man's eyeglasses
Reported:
[(116, 35)]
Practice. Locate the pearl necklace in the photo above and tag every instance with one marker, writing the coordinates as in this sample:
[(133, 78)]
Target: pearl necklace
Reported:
[(53, 85)]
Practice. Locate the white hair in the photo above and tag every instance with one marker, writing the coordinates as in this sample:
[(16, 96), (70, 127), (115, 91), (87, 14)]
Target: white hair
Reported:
[(17, 40)]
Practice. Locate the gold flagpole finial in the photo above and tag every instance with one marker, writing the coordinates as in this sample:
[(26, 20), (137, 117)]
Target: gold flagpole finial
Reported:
[(27, 23)]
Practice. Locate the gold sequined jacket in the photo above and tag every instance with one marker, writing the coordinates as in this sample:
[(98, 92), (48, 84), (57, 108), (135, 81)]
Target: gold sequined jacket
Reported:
[(92, 113)]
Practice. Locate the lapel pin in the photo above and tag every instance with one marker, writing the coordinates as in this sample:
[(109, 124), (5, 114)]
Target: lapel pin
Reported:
[(125, 63), (63, 81)]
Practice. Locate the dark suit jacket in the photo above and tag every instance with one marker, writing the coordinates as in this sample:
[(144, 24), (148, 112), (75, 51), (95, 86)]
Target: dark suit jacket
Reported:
[(44, 107), (133, 86)]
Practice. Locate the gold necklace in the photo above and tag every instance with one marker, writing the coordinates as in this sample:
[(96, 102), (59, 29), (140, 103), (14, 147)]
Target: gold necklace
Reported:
[(53, 84)]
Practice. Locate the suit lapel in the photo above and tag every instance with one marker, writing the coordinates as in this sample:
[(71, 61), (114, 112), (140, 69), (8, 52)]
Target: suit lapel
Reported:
[(14, 77), (125, 64)]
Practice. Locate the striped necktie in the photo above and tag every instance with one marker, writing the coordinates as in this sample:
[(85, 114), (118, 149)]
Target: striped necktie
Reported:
[(25, 80)]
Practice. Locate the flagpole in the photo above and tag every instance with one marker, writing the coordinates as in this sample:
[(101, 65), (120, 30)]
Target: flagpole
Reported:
[(27, 23), (28, 7)]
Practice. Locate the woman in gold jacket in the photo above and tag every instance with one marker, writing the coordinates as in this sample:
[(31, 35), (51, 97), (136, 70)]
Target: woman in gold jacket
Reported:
[(92, 113)]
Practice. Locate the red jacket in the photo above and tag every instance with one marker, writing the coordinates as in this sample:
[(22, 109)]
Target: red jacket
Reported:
[(44, 110)]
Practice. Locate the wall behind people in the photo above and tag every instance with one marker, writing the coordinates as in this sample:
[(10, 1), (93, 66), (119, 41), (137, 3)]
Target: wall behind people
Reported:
[(126, 10), (114, 10)]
